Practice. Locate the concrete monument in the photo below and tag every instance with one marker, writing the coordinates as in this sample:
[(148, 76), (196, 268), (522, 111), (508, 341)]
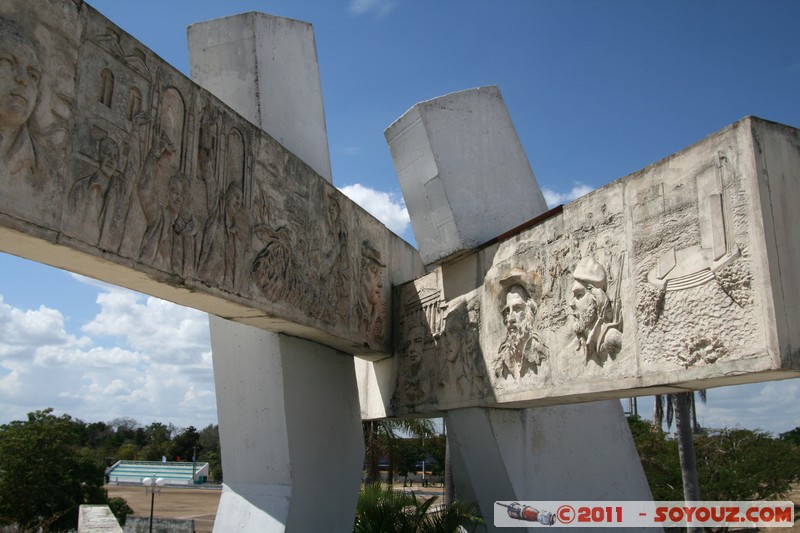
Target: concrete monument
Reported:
[(498, 452), (680, 276)]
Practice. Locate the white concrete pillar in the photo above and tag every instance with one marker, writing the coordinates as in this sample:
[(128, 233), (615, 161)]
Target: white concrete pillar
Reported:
[(466, 180), (266, 69), (289, 415), (569, 452), (290, 431)]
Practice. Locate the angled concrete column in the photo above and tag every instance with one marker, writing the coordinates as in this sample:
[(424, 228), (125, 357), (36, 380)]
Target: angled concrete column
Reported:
[(570, 452), (266, 69), (445, 151), (463, 172), (290, 430), (289, 416)]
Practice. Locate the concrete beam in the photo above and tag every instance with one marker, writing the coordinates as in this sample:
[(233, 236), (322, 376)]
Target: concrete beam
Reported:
[(124, 170)]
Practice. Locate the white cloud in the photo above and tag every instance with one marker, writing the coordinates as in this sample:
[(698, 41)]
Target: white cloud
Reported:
[(24, 332), (167, 332), (554, 198), (767, 406), (139, 357), (388, 208), (380, 8), (351, 150)]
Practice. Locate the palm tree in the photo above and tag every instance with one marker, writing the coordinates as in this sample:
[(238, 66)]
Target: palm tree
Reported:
[(381, 438), (664, 410), (388, 511), (681, 406)]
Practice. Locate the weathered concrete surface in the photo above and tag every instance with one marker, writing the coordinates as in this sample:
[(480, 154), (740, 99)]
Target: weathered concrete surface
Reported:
[(290, 432), (124, 170), (514, 454), (451, 153), (141, 524), (278, 397), (97, 519), (255, 55), (570, 453), (680, 276)]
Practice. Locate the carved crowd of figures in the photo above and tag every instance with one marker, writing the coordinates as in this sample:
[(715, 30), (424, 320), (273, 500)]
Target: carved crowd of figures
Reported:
[(160, 173)]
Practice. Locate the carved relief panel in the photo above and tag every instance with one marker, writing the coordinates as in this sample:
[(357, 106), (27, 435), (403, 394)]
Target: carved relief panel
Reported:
[(115, 154), (437, 344), (693, 266), (648, 282), (418, 312), (553, 301)]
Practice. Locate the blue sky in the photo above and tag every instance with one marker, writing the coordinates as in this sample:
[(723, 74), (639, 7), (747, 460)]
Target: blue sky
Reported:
[(596, 90)]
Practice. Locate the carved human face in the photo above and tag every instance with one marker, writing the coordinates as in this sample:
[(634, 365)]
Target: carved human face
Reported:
[(109, 157), (233, 200), (515, 312), (175, 194), (372, 282), (333, 211), (19, 80), (584, 309), (415, 345), (454, 334), (471, 338)]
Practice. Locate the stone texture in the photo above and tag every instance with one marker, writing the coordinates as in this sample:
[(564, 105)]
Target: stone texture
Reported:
[(679, 276), (267, 66), (458, 157), (497, 454), (97, 519), (278, 398), (569, 453), (270, 422), (124, 170)]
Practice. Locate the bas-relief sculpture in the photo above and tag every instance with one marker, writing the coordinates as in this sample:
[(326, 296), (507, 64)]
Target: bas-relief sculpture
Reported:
[(437, 347), (30, 179), (596, 318), (160, 174), (693, 267), (522, 349), (633, 285)]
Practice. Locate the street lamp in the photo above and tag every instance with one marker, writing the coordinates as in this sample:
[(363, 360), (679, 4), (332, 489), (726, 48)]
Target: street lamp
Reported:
[(152, 485)]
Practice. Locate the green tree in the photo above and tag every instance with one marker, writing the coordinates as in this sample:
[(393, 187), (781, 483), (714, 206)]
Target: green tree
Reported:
[(792, 436), (408, 453), (381, 439), (120, 508), (732, 464), (744, 464), (127, 451), (124, 430), (210, 451), (159, 442), (46, 474), (659, 458), (185, 443), (436, 448)]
